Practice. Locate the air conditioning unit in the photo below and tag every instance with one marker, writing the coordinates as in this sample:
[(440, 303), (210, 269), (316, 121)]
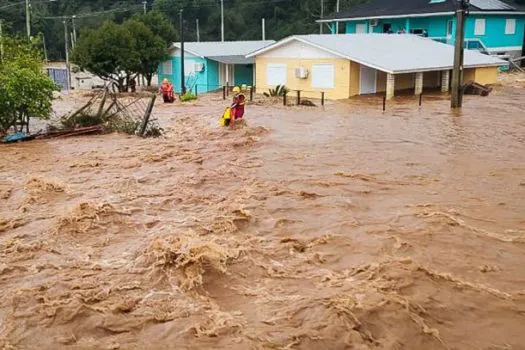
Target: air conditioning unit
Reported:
[(374, 22), (199, 67), (301, 73)]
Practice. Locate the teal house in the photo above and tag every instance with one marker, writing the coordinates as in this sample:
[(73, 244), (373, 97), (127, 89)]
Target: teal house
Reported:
[(210, 65), (493, 27)]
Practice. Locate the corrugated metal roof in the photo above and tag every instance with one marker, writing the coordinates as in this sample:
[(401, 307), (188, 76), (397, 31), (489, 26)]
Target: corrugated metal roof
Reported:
[(233, 59), (218, 49), (391, 53), (491, 5)]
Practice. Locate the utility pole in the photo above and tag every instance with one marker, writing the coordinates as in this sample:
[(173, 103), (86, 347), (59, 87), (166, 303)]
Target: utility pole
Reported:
[(457, 73), (337, 23), (182, 80), (322, 15), (28, 21), (44, 43), (198, 31), (264, 29), (1, 43), (74, 39), (222, 20), (145, 4), (68, 71)]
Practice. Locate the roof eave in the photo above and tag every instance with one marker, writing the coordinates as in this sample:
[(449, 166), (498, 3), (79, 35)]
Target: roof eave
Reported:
[(411, 15)]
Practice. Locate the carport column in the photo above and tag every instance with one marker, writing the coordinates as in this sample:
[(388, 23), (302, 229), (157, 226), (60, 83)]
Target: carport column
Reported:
[(445, 80), (390, 86), (419, 83)]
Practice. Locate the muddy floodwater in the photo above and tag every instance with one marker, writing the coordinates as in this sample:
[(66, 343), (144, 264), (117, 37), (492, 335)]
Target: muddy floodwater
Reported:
[(340, 227)]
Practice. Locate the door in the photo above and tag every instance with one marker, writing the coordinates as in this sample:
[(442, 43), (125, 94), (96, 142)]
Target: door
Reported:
[(387, 28), (361, 28), (368, 83)]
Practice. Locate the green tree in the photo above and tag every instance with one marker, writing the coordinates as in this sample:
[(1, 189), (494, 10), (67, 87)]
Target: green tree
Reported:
[(150, 33), (25, 91), (159, 25), (108, 52)]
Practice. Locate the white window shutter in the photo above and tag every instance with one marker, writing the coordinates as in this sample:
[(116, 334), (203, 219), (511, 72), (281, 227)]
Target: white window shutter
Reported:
[(510, 26), (479, 26), (323, 76), (167, 67), (276, 74)]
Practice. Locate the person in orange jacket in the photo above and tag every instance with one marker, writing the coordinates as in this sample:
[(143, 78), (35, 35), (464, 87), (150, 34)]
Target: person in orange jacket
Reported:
[(167, 91)]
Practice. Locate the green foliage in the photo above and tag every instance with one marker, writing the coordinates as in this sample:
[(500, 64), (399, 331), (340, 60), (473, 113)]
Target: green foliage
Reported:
[(117, 52), (280, 90), (108, 52), (25, 91), (188, 96)]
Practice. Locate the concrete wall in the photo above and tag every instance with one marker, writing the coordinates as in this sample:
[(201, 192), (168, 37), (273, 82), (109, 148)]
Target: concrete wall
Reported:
[(342, 76), (484, 75), (495, 36)]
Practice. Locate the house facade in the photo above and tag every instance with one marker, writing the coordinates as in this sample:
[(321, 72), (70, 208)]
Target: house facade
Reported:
[(210, 65), (492, 26), (341, 66)]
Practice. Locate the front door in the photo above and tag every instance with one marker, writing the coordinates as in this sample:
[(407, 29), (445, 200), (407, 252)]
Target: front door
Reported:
[(368, 84)]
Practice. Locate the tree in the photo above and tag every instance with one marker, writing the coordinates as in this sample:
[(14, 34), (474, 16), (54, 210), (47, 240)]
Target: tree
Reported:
[(159, 25), (150, 48), (25, 91), (108, 52)]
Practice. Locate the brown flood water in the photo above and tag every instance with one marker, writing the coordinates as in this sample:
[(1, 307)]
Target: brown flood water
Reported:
[(342, 228)]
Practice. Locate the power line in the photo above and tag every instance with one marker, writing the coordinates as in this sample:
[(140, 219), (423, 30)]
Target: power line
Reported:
[(95, 14)]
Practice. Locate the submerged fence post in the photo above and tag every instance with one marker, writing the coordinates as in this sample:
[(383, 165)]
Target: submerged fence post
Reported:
[(284, 99), (224, 92), (298, 97), (384, 103), (227, 89), (322, 98), (420, 99), (196, 92), (251, 93), (147, 115)]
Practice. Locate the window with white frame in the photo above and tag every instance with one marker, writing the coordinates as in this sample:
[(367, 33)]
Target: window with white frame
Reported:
[(510, 26), (323, 76), (275, 74), (167, 67), (189, 67), (479, 26)]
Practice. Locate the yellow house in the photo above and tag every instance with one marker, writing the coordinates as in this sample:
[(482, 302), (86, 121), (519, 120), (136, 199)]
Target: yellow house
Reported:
[(346, 65)]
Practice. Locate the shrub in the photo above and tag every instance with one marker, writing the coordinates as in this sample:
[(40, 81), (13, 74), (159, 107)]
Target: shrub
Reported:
[(188, 96), (280, 90)]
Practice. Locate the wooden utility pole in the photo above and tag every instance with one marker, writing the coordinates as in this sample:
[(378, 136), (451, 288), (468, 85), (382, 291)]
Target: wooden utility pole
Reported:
[(457, 73), (68, 70), (222, 20), (337, 23), (322, 15), (198, 30), (1, 43), (182, 80)]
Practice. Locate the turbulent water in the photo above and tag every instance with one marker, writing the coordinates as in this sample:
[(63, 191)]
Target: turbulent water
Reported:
[(309, 228)]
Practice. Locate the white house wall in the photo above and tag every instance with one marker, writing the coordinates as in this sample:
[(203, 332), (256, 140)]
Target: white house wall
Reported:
[(297, 50)]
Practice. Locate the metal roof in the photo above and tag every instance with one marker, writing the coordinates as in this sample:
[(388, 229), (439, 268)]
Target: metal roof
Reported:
[(391, 53), (491, 5), (230, 52), (414, 8)]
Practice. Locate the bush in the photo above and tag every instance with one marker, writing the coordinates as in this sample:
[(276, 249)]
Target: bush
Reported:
[(280, 90), (188, 96)]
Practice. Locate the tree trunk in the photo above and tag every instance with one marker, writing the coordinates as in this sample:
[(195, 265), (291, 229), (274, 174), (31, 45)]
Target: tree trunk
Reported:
[(149, 76)]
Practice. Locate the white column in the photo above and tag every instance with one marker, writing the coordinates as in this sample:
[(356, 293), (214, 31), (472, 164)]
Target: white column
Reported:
[(390, 86), (419, 83), (445, 80)]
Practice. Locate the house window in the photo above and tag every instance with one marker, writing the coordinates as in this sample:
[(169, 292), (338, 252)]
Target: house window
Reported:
[(189, 67), (167, 68), (361, 28), (323, 76), (479, 26), (275, 74), (510, 26)]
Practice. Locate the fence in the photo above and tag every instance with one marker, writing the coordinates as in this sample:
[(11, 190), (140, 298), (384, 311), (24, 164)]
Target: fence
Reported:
[(299, 98)]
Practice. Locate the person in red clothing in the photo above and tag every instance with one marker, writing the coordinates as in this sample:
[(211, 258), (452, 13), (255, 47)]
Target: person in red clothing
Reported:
[(166, 89), (237, 106)]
